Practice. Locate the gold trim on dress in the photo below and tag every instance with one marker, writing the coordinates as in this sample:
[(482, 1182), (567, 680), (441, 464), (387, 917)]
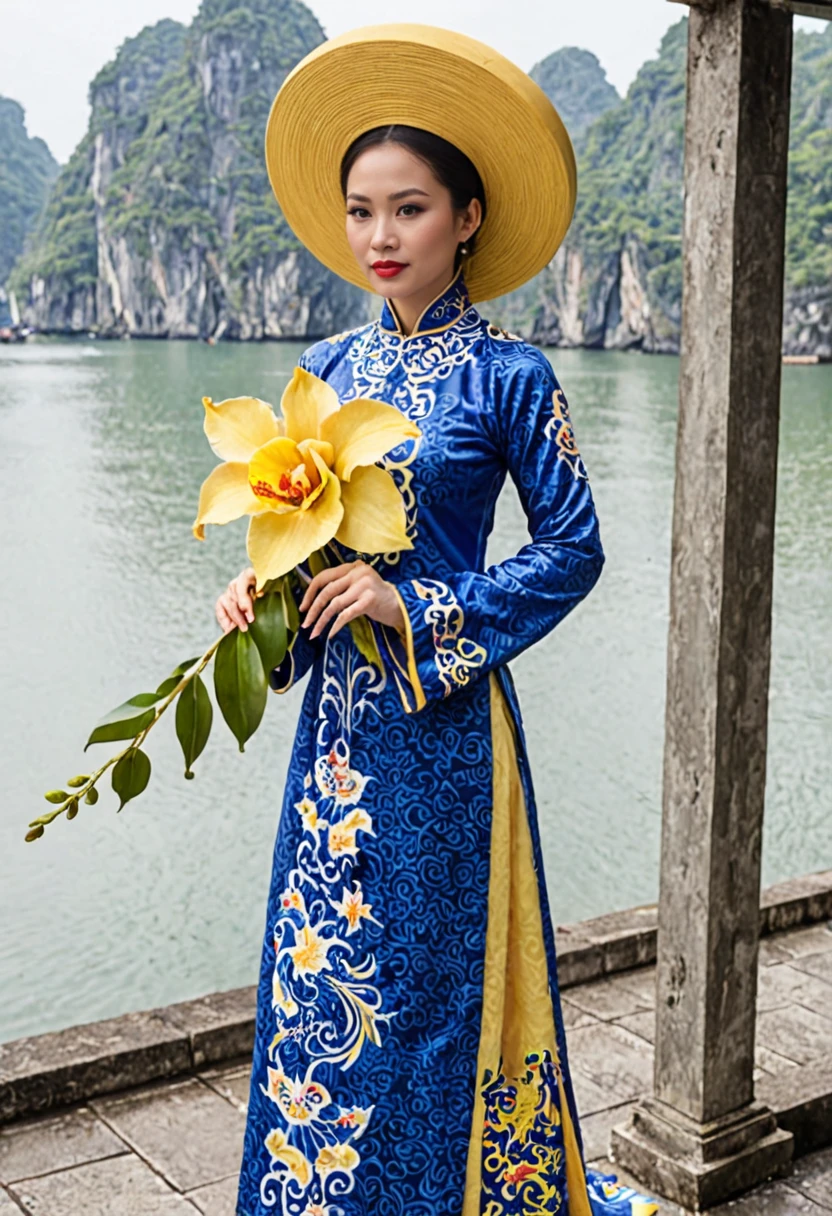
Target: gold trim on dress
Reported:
[(416, 332), (518, 1045), (412, 669)]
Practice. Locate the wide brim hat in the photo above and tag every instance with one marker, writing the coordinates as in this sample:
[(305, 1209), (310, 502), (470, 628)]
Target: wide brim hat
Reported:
[(452, 86)]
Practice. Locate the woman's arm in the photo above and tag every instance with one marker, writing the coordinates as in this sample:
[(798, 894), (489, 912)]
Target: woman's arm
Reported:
[(460, 627)]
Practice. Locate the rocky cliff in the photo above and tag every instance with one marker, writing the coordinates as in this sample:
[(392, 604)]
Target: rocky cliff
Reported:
[(163, 223), (616, 282), (27, 169), (577, 86)]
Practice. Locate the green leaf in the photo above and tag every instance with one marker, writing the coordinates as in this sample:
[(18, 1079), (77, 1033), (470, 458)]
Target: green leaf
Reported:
[(269, 629), (91, 796), (56, 796), (34, 833), (127, 720), (74, 782), (240, 684), (317, 562), (290, 608), (194, 715), (167, 686), (72, 809), (131, 775), (365, 639)]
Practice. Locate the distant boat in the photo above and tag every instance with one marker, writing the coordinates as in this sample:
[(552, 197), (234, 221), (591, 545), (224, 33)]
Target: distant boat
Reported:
[(13, 333)]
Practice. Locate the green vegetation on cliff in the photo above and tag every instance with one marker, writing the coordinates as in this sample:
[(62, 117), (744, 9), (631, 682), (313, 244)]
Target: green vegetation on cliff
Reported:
[(631, 160), (630, 168), (177, 172), (27, 168), (63, 248), (809, 216), (577, 86)]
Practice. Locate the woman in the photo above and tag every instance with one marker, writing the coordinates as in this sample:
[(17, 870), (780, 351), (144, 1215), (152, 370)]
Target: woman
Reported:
[(410, 1055)]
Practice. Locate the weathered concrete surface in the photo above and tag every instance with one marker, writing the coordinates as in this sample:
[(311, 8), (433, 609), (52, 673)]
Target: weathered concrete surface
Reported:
[(55, 1069), (48, 1071), (174, 1146), (701, 1136), (51, 1070), (188, 1133)]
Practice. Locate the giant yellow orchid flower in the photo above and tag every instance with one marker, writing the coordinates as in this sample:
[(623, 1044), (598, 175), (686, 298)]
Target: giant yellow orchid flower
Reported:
[(305, 478)]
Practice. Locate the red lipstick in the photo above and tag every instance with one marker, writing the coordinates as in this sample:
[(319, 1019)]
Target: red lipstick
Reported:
[(389, 270)]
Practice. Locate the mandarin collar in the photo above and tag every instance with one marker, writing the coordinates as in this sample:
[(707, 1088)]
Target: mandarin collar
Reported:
[(447, 308)]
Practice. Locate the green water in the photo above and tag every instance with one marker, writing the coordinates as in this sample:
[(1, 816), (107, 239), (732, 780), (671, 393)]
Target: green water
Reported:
[(104, 590)]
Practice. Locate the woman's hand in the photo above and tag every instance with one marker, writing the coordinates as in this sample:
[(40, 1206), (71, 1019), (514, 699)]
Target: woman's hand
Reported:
[(347, 591), (235, 606)]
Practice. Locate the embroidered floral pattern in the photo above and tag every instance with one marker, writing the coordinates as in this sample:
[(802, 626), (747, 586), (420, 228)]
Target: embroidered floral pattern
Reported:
[(559, 428), (455, 655), (523, 1155), (322, 994)]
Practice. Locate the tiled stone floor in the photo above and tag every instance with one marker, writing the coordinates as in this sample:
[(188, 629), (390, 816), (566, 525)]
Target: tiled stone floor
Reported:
[(173, 1147)]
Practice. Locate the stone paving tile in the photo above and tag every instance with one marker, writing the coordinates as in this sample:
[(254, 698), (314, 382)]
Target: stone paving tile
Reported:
[(45, 1145), (819, 965), (590, 1097), (772, 1062), (573, 1016), (119, 1186), (617, 1061), (643, 1024), (797, 1033), (771, 951), (218, 1199), (615, 996), (595, 1128), (186, 1131), (774, 1199), (233, 1084), (797, 943), (813, 1177), (784, 984)]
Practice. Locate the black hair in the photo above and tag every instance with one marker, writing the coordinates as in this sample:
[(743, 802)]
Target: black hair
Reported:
[(450, 167)]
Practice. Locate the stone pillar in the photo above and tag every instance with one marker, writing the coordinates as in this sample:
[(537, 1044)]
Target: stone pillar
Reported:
[(701, 1136)]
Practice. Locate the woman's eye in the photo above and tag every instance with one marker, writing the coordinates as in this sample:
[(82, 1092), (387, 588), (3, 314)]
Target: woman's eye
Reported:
[(358, 212), (410, 209)]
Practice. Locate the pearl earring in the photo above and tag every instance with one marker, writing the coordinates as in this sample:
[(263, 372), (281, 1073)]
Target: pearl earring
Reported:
[(463, 249)]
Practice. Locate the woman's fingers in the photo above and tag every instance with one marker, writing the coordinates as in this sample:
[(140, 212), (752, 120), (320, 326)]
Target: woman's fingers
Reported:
[(322, 578), (344, 577), (226, 623), (335, 605), (351, 612), (243, 587)]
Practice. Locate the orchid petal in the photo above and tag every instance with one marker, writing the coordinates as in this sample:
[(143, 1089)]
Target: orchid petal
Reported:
[(277, 543), (374, 515), (236, 428), (306, 402), (225, 495), (362, 431)]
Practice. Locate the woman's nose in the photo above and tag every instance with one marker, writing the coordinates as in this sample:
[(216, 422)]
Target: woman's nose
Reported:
[(384, 237)]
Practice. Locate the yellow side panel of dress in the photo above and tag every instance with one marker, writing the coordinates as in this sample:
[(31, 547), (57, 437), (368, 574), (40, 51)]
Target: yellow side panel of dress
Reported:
[(518, 1029)]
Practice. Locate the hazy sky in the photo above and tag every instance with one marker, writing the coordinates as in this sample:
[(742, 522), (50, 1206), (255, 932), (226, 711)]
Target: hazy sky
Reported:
[(51, 49)]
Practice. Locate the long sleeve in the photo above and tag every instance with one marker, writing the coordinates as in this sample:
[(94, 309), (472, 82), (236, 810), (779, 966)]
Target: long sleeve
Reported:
[(460, 627)]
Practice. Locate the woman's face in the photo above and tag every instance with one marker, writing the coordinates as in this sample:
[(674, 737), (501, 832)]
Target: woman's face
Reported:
[(401, 223)]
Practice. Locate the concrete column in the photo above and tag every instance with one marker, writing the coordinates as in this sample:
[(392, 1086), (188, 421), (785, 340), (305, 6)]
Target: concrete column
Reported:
[(701, 1136)]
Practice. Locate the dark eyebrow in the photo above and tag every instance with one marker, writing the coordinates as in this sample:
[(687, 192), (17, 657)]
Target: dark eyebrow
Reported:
[(362, 198)]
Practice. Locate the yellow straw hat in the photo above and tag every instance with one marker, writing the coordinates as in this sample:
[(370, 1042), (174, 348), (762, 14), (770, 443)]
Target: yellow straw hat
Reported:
[(452, 86)]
